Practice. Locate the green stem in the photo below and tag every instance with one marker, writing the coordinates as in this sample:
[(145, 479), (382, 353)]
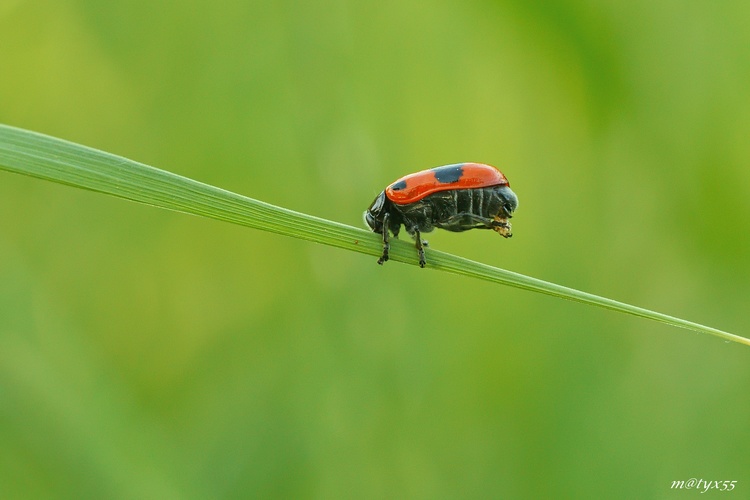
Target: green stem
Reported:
[(56, 160)]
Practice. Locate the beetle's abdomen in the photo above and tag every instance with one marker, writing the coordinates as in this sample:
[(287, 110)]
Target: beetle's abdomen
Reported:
[(464, 209), (483, 202), (458, 209)]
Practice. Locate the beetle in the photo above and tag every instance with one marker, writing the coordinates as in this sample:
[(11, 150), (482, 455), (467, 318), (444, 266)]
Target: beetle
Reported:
[(454, 197)]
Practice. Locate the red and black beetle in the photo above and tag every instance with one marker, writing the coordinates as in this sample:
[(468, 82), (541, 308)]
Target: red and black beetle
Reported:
[(453, 197)]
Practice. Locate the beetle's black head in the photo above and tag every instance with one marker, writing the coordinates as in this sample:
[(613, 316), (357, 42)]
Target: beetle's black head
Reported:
[(374, 215), (509, 202)]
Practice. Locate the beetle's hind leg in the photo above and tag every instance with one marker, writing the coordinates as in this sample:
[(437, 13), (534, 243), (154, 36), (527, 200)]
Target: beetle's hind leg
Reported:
[(502, 227), (418, 242)]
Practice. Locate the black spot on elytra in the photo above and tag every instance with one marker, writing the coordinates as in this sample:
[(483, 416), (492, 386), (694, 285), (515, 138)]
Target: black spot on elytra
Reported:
[(449, 173), (398, 186)]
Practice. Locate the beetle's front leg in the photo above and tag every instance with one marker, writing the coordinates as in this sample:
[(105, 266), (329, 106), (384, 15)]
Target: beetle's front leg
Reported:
[(420, 248), (386, 243)]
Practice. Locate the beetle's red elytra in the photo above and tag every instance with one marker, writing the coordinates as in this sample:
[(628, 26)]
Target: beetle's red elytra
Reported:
[(455, 197), (414, 187)]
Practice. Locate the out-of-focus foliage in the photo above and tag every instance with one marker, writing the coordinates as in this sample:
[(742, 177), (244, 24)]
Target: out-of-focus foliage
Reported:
[(150, 354)]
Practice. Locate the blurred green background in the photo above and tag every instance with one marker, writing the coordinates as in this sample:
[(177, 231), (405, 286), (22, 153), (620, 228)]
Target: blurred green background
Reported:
[(150, 354)]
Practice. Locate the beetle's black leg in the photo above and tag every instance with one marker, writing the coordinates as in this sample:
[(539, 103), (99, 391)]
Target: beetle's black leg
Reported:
[(386, 243), (420, 248), (467, 221)]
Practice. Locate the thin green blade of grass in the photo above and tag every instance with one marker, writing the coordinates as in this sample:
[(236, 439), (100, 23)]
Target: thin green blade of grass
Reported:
[(37, 155)]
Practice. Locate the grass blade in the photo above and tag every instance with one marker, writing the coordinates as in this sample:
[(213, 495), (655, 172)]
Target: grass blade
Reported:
[(56, 160)]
